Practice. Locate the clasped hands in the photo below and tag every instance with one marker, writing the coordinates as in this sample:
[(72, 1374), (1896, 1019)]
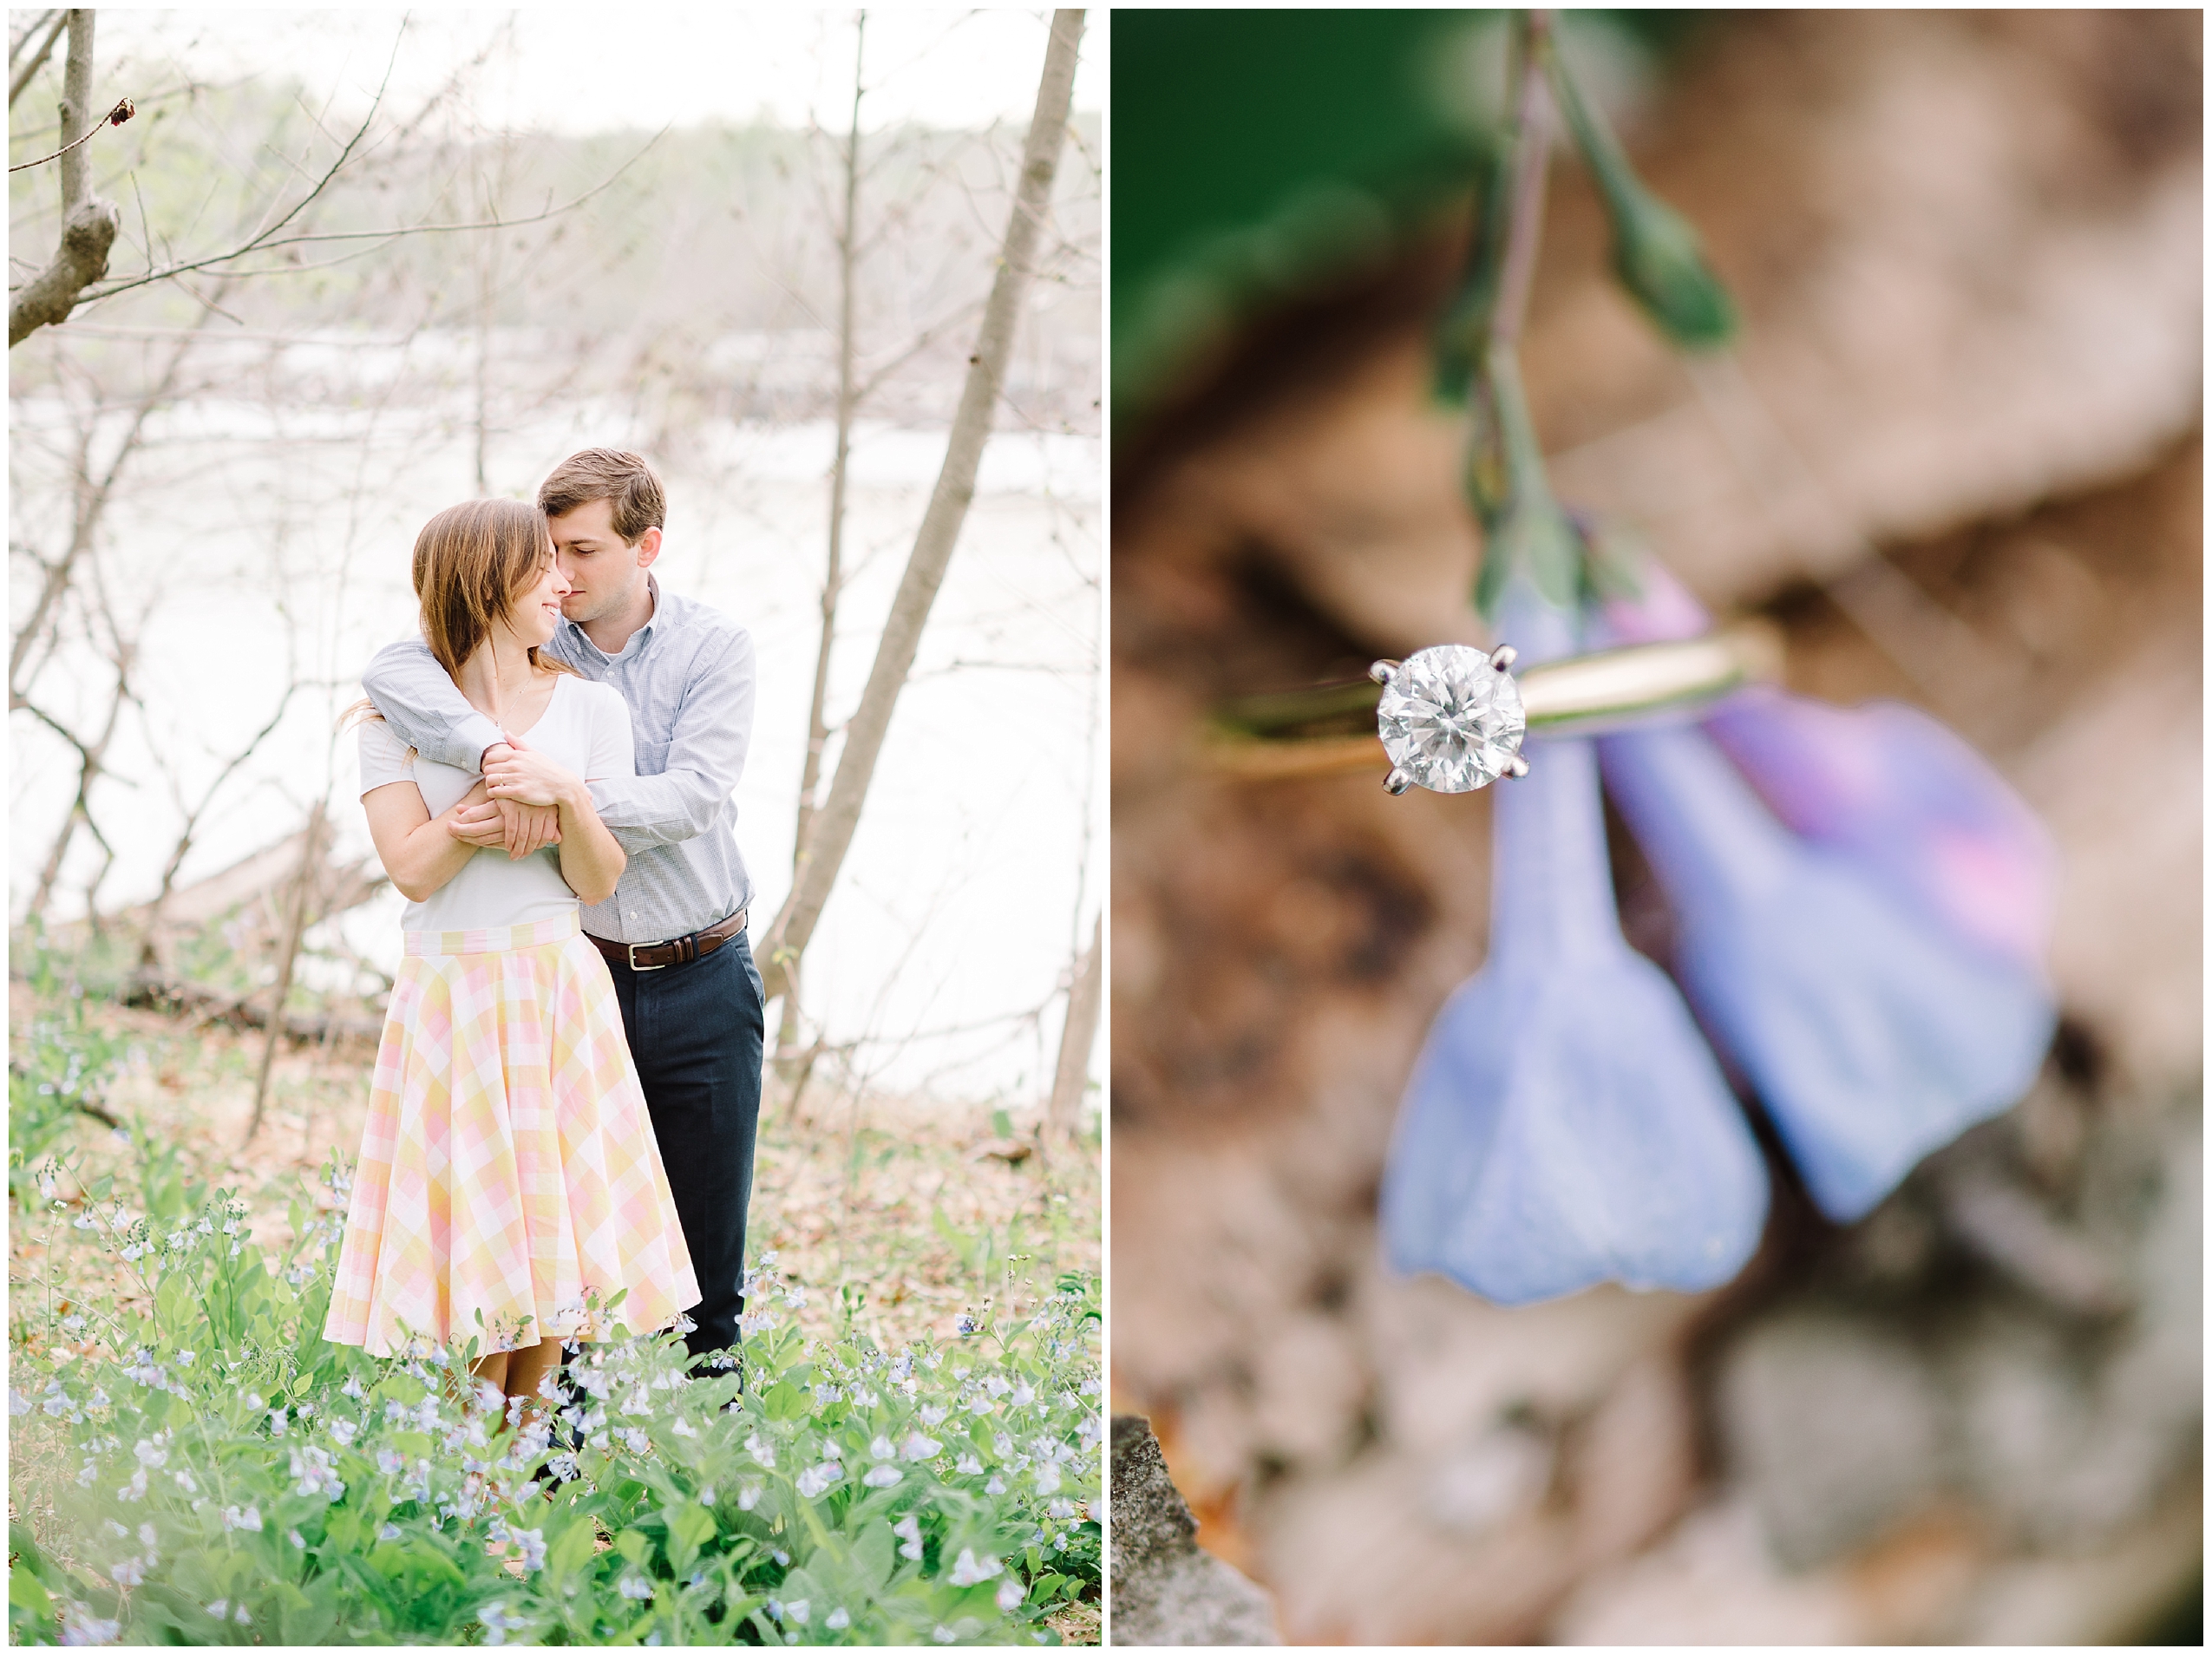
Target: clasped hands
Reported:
[(519, 809)]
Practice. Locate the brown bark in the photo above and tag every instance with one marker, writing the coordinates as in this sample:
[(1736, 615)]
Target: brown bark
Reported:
[(833, 581), (88, 224), (831, 834), (1077, 1036), (303, 896)]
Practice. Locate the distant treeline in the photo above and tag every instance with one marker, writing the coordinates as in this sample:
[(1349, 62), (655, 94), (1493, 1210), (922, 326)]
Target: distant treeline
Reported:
[(713, 241)]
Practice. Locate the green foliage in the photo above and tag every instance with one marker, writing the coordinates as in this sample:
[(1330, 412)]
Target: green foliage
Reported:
[(1525, 532), (1655, 252), (237, 1479), (63, 1061)]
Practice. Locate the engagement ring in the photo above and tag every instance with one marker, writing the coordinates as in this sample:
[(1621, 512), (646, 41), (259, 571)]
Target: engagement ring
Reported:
[(1453, 718)]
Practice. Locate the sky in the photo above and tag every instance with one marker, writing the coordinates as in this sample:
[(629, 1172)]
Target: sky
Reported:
[(581, 70)]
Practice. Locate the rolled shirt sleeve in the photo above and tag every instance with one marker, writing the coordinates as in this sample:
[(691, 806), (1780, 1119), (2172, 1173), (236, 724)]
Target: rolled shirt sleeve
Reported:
[(420, 701), (684, 786)]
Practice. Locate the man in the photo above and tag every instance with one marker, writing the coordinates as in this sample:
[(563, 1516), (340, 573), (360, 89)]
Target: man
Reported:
[(674, 931)]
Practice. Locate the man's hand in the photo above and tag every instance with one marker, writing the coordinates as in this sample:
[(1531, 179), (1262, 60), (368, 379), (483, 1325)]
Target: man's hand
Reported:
[(521, 829), (528, 828)]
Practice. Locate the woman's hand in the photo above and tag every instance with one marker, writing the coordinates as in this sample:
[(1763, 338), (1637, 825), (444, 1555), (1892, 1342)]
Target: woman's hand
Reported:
[(524, 775)]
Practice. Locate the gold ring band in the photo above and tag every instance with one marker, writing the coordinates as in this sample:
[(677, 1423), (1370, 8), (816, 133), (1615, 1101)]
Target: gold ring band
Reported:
[(1269, 737)]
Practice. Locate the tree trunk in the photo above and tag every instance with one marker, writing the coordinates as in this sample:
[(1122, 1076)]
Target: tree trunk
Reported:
[(787, 1033), (1077, 1036), (88, 224), (303, 894), (831, 834)]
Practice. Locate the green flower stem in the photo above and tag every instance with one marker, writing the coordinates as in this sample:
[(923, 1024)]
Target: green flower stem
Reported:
[(1530, 148), (1524, 529), (1656, 253)]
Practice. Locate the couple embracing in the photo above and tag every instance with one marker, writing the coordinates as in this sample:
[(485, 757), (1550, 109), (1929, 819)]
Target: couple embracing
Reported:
[(568, 1083)]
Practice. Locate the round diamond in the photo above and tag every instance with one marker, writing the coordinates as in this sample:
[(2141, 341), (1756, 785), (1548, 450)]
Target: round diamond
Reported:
[(1450, 719)]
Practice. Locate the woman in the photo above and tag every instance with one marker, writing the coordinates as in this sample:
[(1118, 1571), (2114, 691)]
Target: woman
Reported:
[(510, 1182)]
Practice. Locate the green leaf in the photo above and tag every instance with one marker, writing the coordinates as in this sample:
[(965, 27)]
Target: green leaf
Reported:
[(25, 1592), (690, 1527), (1657, 258), (570, 1546), (785, 1401), (874, 1555)]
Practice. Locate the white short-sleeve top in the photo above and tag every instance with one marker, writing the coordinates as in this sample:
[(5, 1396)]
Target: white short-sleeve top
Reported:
[(585, 729)]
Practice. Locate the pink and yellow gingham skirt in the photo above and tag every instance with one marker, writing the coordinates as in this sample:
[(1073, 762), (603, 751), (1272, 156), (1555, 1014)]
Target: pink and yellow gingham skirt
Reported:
[(509, 1171)]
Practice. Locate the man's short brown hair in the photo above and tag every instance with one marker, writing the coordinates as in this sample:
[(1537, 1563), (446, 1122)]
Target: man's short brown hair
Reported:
[(607, 474)]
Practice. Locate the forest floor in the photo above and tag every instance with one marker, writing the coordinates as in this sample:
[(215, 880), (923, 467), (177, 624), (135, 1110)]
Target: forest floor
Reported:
[(902, 1212)]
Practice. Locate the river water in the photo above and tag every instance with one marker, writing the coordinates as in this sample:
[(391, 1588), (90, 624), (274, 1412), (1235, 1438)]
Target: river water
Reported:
[(253, 542)]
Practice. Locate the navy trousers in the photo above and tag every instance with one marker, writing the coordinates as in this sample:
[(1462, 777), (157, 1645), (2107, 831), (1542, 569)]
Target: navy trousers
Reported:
[(696, 1033)]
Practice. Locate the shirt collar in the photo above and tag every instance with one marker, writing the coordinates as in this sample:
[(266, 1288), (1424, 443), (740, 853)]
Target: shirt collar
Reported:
[(661, 610)]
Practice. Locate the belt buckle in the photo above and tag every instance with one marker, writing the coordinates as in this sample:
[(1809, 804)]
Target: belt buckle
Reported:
[(631, 950)]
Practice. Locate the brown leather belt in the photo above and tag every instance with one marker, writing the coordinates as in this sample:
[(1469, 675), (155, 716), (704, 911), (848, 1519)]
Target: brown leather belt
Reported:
[(681, 951)]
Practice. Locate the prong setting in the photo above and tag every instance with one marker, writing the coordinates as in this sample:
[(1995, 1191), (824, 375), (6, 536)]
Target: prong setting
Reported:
[(1448, 719), (1518, 768), (1396, 781), (1504, 656), (1382, 671)]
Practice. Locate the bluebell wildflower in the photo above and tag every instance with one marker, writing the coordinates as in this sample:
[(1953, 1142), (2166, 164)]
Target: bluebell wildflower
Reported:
[(1915, 808), (1871, 1033), (1566, 1124)]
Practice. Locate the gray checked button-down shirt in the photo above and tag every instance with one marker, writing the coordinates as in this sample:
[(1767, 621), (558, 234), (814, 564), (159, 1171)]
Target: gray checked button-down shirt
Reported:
[(688, 675)]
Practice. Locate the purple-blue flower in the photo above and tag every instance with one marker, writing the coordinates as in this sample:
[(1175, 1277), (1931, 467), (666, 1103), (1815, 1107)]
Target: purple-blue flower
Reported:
[(1566, 1124), (1871, 1031), (1911, 804)]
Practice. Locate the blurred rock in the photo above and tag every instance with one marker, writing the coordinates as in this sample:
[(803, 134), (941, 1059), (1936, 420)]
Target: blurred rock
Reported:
[(1713, 1581), (1834, 1426), (2109, 1595), (1450, 1367), (1371, 1556), (1635, 1464), (1165, 1591), (2128, 954), (1310, 1389)]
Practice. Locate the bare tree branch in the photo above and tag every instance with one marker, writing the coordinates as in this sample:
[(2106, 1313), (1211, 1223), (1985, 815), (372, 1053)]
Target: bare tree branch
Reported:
[(91, 762), (823, 855), (88, 224), (186, 838), (848, 401), (20, 78), (123, 111), (92, 501), (388, 234)]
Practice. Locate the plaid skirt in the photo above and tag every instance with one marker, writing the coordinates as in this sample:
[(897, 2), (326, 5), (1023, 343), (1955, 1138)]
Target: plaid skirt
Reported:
[(510, 1183)]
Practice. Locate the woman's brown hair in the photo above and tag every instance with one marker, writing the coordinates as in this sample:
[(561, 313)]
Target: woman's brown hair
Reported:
[(470, 562)]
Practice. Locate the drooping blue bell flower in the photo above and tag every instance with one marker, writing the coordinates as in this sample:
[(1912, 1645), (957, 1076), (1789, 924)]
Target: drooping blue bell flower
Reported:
[(1872, 1031), (1909, 801), (1566, 1124)]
